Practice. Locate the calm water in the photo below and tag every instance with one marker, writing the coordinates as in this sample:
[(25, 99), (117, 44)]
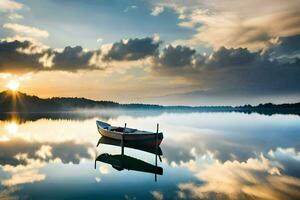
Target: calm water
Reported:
[(205, 156)]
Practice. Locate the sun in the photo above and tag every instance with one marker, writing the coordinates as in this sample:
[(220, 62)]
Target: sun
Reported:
[(13, 85)]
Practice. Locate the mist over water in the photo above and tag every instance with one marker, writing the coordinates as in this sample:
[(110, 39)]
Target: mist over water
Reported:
[(205, 156)]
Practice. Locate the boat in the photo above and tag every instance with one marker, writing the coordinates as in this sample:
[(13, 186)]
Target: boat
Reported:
[(132, 145), (125, 134), (121, 162)]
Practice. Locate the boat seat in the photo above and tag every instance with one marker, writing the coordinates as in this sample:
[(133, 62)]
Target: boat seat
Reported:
[(121, 130)]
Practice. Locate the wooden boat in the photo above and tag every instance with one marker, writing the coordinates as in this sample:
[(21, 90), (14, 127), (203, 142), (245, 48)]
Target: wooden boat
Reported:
[(129, 134), (132, 145), (121, 162)]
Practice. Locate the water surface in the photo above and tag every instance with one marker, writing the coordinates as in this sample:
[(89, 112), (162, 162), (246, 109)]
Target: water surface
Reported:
[(205, 156)]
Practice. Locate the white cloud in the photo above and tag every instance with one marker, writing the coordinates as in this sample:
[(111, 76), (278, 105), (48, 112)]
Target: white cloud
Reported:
[(47, 60), (157, 10), (9, 5), (15, 16), (26, 31), (156, 37), (99, 39), (130, 8), (33, 48)]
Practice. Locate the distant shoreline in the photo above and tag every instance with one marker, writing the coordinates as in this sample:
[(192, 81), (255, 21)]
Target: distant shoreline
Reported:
[(18, 102)]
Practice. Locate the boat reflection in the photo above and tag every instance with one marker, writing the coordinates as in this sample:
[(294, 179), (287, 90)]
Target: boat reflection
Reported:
[(133, 145), (122, 161)]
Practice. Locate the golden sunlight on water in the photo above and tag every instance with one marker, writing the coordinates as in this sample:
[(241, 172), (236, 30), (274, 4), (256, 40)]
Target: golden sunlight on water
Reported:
[(8, 130), (12, 128)]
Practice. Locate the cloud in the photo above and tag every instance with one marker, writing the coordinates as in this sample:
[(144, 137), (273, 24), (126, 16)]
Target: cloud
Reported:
[(238, 24), (132, 49), (15, 16), (72, 59), (130, 8), (174, 57), (21, 55), (99, 39), (157, 10), (286, 48), (30, 56), (26, 30), (235, 69), (12, 60), (9, 5)]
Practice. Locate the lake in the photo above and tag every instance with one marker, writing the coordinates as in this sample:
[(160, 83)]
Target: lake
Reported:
[(205, 156)]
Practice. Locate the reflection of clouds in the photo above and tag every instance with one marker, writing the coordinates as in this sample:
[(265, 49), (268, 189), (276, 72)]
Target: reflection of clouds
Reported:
[(157, 195), (104, 169), (282, 153), (44, 152), (258, 178), (178, 150), (22, 159), (21, 174), (8, 194), (67, 152), (288, 158), (24, 177), (97, 179)]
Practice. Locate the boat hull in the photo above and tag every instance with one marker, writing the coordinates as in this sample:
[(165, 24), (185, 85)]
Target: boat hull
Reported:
[(132, 144), (145, 139)]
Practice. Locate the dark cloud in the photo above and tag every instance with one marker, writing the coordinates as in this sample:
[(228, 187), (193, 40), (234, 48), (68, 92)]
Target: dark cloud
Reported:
[(232, 69), (230, 58), (26, 56), (72, 59), (133, 49), (287, 47), (67, 152), (174, 57), (12, 60)]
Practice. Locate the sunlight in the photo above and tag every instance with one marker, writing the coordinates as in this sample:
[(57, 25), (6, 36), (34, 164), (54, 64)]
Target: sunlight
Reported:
[(13, 85), (12, 128)]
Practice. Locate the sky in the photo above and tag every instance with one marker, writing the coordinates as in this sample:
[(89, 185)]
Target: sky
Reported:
[(208, 52)]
